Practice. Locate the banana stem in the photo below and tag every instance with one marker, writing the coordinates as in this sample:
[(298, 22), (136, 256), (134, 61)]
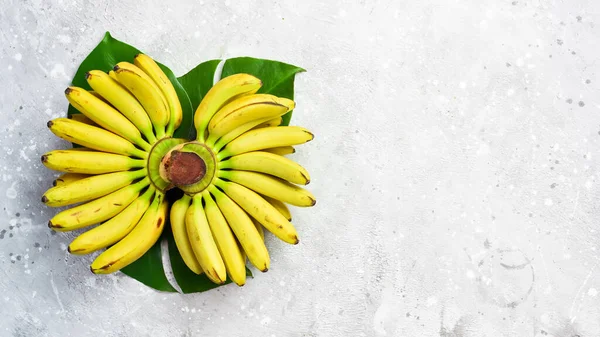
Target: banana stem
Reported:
[(144, 145), (160, 132)]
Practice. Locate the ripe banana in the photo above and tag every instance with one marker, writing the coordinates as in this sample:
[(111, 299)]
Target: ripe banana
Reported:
[(67, 178), (147, 93), (93, 137), (203, 243), (89, 162), (97, 210), (243, 110), (259, 228), (271, 122), (151, 68), (268, 163), (282, 150), (244, 230), (104, 115), (83, 119), (280, 206), (271, 186), (137, 242), (177, 219), (89, 188), (233, 134), (227, 89), (113, 75), (122, 100), (261, 210), (265, 138), (228, 246), (114, 229)]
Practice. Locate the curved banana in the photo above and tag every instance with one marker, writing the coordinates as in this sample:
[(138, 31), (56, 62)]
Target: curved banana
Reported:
[(137, 242), (261, 210), (67, 178), (122, 100), (151, 68), (228, 246), (113, 75), (105, 115), (268, 163), (241, 111), (233, 134), (89, 188), (223, 91), (89, 162), (82, 118), (271, 186), (280, 206), (203, 243), (265, 138), (271, 122), (177, 219), (97, 210), (147, 93), (282, 150), (244, 230), (93, 137), (114, 229)]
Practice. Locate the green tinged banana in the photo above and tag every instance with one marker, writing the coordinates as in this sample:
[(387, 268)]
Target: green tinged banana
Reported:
[(97, 210), (93, 137), (137, 242), (122, 100), (115, 228), (224, 91)]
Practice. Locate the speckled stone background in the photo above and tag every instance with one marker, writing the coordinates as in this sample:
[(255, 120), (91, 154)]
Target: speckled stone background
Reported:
[(456, 164)]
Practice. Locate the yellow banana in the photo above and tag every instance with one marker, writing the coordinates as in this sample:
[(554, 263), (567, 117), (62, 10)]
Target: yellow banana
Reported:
[(89, 162), (83, 119), (114, 229), (89, 188), (282, 150), (67, 178), (122, 100), (105, 115), (233, 134), (271, 186), (280, 206), (225, 90), (203, 243), (228, 247), (268, 163), (93, 137), (261, 210), (243, 110), (265, 138), (137, 242), (150, 67), (113, 75), (177, 219), (271, 122), (97, 210), (244, 230), (147, 92)]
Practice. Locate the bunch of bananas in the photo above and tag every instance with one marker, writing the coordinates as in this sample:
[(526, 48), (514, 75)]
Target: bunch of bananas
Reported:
[(235, 178)]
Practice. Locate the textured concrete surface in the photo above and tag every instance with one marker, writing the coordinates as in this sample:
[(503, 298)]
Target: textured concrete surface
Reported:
[(456, 165)]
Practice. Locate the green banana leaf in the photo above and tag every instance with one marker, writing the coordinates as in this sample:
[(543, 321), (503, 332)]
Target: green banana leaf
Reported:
[(278, 79)]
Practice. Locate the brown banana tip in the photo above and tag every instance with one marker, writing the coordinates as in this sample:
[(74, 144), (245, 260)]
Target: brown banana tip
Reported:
[(136, 55), (50, 224), (314, 202), (116, 67), (44, 199), (69, 249), (297, 241), (87, 75), (44, 158), (265, 270), (49, 124), (92, 270), (69, 89), (54, 183)]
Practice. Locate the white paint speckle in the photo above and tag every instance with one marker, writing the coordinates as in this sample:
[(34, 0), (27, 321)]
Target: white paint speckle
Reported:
[(11, 192), (18, 57), (548, 202), (592, 292)]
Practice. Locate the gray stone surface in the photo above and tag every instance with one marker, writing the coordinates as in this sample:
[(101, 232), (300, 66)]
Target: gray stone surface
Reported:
[(456, 166)]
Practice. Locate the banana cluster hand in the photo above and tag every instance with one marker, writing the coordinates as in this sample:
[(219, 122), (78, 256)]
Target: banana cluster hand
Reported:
[(235, 178)]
